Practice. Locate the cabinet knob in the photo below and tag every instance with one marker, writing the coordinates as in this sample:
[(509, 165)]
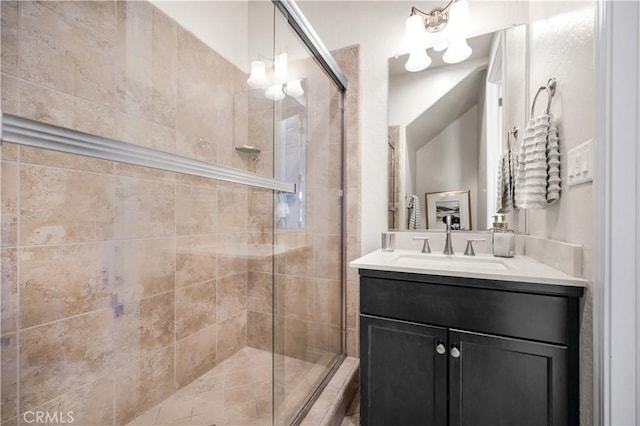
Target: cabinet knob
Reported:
[(455, 352), (440, 349)]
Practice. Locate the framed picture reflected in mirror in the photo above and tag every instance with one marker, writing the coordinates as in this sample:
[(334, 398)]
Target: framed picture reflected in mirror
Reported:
[(444, 203)]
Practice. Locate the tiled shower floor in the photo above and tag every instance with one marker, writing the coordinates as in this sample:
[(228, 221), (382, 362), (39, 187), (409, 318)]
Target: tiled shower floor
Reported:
[(235, 392)]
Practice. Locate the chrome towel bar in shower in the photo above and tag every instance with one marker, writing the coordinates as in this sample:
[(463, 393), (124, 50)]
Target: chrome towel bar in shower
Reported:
[(27, 132)]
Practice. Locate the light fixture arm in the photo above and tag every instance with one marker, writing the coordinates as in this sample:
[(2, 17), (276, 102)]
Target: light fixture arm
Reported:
[(437, 19), (261, 57)]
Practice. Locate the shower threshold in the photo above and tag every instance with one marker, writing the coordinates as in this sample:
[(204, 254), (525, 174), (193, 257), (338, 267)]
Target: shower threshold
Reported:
[(239, 390)]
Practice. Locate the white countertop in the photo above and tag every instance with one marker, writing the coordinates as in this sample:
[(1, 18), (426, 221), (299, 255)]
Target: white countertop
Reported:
[(482, 266)]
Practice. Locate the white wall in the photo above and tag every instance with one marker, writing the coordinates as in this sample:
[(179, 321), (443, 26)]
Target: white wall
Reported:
[(449, 162), (261, 30), (562, 46), (378, 26), (222, 25)]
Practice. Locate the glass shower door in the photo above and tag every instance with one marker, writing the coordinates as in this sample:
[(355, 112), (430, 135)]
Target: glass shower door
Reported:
[(308, 234), (136, 264)]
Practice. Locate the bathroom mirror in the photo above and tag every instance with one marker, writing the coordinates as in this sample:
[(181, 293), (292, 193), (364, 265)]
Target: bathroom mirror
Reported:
[(448, 126)]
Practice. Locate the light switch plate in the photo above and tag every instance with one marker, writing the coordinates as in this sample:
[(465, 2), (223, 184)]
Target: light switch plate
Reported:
[(580, 164)]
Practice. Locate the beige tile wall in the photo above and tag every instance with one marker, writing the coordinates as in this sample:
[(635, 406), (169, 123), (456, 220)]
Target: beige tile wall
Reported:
[(349, 60), (184, 302), (82, 236)]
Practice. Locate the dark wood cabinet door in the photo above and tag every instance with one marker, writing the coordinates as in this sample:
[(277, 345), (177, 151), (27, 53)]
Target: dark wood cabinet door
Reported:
[(404, 378), (499, 381)]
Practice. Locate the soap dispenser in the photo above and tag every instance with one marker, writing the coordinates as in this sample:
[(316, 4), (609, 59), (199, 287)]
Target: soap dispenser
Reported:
[(504, 239)]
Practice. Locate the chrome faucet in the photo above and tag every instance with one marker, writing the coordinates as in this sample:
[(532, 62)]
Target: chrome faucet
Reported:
[(425, 245), (448, 248)]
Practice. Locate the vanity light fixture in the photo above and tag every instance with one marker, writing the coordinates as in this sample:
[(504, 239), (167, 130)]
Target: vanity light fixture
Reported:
[(447, 28), (280, 87)]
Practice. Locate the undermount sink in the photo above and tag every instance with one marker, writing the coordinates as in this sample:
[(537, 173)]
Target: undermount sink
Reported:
[(441, 261)]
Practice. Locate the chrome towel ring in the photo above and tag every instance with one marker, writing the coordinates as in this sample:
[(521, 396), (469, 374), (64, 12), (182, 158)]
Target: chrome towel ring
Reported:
[(512, 135), (550, 88)]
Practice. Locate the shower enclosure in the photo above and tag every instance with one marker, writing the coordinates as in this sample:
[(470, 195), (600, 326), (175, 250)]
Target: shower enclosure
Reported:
[(171, 222)]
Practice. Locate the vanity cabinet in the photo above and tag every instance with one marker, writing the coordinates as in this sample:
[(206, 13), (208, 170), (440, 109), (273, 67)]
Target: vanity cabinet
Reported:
[(439, 350)]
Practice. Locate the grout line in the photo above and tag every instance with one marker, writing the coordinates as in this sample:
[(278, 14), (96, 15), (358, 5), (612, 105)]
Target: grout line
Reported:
[(17, 283), (69, 168), (175, 240), (175, 289), (113, 240), (76, 388), (19, 230), (97, 310), (114, 330)]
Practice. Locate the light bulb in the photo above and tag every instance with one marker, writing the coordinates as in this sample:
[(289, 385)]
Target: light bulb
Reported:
[(440, 46), (459, 22), (415, 35), (294, 88), (258, 77), (458, 51), (274, 93), (418, 60)]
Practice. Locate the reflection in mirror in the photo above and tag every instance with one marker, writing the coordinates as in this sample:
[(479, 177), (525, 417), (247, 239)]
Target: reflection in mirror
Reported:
[(291, 161), (447, 130)]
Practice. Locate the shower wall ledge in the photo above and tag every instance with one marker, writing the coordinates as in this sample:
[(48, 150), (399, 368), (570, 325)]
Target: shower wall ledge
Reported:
[(249, 251)]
